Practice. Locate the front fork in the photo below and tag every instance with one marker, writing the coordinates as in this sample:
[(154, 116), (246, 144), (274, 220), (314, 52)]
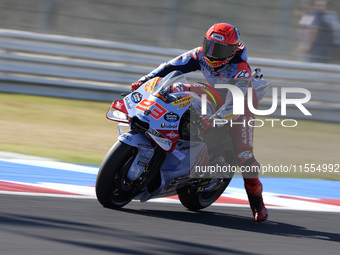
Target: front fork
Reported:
[(145, 168), (145, 150)]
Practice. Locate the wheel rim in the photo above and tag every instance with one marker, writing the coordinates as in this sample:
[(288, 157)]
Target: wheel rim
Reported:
[(122, 192)]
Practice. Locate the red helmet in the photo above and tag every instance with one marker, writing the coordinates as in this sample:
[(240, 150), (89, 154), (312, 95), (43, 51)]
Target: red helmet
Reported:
[(220, 44)]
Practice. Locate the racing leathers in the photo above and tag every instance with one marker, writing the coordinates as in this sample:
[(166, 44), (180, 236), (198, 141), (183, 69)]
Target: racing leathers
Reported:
[(237, 72)]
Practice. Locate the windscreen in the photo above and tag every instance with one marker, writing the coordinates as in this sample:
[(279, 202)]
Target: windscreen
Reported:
[(170, 88)]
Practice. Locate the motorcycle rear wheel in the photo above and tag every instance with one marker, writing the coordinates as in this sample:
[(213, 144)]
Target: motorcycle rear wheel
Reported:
[(195, 201), (112, 189)]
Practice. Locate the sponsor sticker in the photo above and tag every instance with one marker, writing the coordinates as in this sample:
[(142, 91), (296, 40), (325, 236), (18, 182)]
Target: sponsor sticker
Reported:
[(218, 37), (172, 135), (182, 100), (151, 85), (136, 97), (127, 103), (171, 126), (184, 105), (118, 105), (142, 163), (242, 74), (171, 117)]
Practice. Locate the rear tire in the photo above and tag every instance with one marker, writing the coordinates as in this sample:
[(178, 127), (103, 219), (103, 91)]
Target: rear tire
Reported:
[(195, 201), (112, 189)]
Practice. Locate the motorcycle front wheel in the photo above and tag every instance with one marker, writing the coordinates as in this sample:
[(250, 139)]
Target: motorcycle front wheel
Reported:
[(112, 186)]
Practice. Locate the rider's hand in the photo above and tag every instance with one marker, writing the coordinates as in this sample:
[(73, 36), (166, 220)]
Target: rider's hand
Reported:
[(136, 85), (207, 124)]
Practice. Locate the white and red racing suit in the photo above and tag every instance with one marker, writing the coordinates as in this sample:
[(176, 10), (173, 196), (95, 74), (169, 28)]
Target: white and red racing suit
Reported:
[(238, 73)]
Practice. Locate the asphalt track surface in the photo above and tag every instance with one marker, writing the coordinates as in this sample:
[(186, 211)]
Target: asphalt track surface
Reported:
[(60, 225)]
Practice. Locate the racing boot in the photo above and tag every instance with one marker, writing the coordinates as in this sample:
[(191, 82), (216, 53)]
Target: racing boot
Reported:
[(253, 188)]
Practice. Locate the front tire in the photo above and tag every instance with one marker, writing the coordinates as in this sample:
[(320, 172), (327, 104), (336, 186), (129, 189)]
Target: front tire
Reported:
[(112, 186)]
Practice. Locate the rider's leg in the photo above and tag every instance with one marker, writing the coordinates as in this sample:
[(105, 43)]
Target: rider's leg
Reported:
[(242, 135)]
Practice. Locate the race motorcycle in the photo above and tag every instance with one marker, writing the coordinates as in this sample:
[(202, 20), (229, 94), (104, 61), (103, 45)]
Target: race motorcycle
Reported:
[(160, 154)]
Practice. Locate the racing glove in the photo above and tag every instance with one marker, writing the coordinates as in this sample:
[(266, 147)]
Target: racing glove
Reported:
[(136, 85)]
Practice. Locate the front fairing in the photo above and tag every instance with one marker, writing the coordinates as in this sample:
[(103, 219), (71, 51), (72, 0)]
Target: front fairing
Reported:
[(160, 108), (159, 105)]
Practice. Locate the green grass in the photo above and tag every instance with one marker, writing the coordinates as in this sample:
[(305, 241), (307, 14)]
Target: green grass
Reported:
[(310, 142), (68, 130), (77, 131)]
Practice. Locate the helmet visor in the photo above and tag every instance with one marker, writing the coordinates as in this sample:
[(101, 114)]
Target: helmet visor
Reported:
[(218, 51)]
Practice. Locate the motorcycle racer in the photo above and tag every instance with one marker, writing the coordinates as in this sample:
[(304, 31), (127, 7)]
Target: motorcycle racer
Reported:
[(223, 60)]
